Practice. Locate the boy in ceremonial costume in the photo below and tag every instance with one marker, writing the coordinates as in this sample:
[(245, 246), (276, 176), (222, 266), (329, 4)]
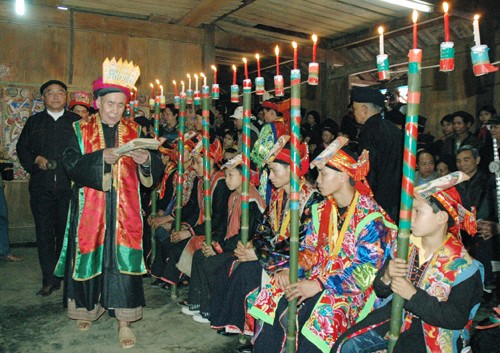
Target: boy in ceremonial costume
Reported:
[(269, 248), (102, 258), (210, 258), (441, 283), (347, 241)]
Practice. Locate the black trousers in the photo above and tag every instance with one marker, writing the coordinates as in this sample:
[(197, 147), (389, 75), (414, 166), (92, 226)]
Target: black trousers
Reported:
[(50, 211)]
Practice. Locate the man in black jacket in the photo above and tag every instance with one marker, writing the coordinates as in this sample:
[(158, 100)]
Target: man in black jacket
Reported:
[(39, 148), (479, 192), (384, 141)]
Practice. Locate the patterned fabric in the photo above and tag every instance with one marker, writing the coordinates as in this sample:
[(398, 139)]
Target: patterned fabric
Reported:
[(345, 261), (271, 242), (268, 136), (170, 168), (444, 270), (92, 223)]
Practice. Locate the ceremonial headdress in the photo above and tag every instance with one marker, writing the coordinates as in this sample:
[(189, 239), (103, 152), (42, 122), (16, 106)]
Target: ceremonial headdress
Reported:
[(169, 150), (282, 107), (281, 153), (334, 157), (444, 192), (117, 76), (216, 152), (80, 98), (233, 162)]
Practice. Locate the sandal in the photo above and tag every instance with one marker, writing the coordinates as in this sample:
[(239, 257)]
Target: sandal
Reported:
[(126, 336), (83, 325)]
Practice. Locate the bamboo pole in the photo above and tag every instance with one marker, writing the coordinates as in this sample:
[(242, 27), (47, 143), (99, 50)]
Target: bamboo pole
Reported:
[(207, 199), (180, 173), (245, 195), (294, 202), (409, 162), (180, 162), (154, 194)]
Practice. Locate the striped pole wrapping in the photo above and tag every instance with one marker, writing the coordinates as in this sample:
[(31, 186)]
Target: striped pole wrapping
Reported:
[(154, 194), (207, 198), (409, 163), (180, 161), (294, 201), (247, 113)]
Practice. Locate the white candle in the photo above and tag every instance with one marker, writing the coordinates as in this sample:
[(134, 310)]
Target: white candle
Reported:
[(475, 24), (189, 81), (195, 82), (161, 90), (381, 40), (204, 78), (182, 85)]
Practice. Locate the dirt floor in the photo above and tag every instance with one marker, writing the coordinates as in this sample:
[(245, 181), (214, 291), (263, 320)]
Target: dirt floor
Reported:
[(32, 324)]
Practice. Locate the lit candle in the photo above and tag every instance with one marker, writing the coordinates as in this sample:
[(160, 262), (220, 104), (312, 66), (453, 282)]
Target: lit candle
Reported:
[(161, 90), (246, 68), (295, 59), (477, 38), (415, 36), (446, 22), (182, 86), (277, 52), (189, 81), (131, 95), (204, 78), (175, 88), (158, 84), (234, 74), (195, 82), (152, 90), (315, 46), (257, 56), (381, 40), (215, 73)]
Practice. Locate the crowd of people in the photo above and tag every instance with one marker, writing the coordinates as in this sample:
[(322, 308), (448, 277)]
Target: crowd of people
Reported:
[(93, 219)]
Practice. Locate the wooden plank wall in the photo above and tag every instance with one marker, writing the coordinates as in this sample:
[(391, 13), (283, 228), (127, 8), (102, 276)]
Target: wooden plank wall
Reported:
[(38, 48)]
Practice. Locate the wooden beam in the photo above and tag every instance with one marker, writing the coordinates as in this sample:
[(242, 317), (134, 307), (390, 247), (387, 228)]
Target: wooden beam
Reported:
[(42, 16), (203, 12)]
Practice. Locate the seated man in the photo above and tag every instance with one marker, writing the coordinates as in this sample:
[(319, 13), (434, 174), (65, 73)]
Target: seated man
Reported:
[(441, 283), (348, 240)]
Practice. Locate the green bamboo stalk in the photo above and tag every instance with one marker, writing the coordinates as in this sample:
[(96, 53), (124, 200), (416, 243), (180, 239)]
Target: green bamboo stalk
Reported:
[(246, 143), (207, 199), (154, 193), (409, 163), (180, 162), (294, 203)]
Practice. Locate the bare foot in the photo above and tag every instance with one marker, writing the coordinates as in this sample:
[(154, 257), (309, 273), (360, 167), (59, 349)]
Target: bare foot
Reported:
[(125, 334)]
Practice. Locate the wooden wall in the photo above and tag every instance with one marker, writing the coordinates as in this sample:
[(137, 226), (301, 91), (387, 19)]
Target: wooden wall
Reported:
[(37, 47)]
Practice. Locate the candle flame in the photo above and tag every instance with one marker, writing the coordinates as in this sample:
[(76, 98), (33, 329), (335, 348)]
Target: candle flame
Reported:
[(381, 30), (196, 76), (234, 67), (182, 83), (445, 7), (157, 81), (277, 51), (257, 56), (294, 45), (314, 38), (151, 85), (188, 76), (214, 68), (476, 17), (135, 89), (161, 86), (415, 16), (202, 74), (245, 60), (175, 83)]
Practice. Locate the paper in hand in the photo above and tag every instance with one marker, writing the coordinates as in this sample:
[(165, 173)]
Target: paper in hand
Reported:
[(145, 143)]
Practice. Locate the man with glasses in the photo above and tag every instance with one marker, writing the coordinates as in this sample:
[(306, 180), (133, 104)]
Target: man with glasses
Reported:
[(39, 148)]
